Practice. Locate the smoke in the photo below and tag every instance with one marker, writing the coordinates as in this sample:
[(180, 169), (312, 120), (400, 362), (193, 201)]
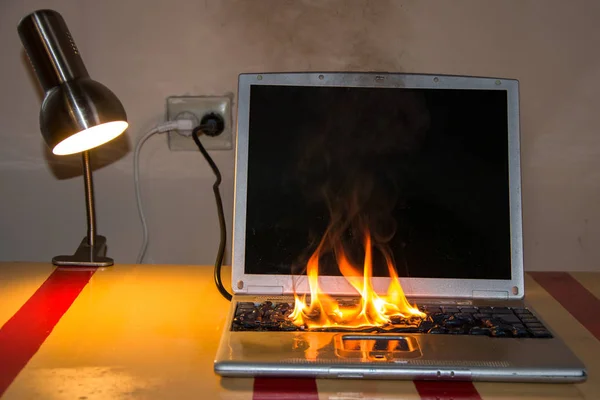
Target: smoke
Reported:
[(352, 161)]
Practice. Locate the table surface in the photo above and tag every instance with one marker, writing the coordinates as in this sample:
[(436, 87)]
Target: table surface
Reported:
[(151, 331)]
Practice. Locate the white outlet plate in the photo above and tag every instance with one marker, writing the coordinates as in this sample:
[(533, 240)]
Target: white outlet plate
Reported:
[(200, 106)]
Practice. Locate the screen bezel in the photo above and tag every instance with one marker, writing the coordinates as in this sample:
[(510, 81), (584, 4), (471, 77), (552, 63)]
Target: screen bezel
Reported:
[(413, 287)]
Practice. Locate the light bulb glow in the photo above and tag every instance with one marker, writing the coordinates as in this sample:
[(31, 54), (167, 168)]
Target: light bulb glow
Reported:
[(90, 138)]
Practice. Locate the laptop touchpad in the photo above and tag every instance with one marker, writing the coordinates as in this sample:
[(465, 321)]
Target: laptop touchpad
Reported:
[(377, 347)]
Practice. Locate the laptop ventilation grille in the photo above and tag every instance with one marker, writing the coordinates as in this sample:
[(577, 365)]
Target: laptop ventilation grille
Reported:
[(261, 299), (464, 363), (492, 364)]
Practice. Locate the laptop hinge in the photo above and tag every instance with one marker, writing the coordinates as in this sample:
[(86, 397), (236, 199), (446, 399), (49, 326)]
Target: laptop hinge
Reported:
[(490, 294), (274, 290)]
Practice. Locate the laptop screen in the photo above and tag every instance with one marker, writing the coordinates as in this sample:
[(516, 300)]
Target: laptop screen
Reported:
[(423, 171)]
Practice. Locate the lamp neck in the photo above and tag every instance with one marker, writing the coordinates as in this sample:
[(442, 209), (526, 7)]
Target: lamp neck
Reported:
[(89, 199)]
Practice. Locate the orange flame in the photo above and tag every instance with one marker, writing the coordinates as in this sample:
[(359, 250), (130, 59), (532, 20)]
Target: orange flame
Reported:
[(372, 309)]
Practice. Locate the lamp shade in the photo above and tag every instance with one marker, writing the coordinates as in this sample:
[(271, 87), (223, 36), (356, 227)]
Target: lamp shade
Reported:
[(77, 112)]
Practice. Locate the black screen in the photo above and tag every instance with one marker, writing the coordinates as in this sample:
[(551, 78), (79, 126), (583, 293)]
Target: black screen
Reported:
[(424, 170)]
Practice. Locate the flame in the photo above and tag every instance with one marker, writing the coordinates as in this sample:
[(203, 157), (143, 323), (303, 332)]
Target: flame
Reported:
[(372, 310)]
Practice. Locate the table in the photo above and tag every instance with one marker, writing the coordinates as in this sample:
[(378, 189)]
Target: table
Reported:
[(151, 332)]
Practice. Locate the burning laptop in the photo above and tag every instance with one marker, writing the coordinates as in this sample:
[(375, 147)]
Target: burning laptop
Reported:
[(377, 232)]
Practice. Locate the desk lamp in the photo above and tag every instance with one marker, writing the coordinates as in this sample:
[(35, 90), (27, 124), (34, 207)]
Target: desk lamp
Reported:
[(77, 114)]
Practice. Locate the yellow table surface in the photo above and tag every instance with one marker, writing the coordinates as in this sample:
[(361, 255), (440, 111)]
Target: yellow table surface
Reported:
[(151, 332)]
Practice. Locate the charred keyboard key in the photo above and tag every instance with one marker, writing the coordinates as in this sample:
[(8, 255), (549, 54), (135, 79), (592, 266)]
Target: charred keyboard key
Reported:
[(497, 333), (453, 322), (492, 322), (425, 326), (439, 318), (466, 318), (520, 332), (450, 309), (501, 331), (436, 330), (429, 309), (347, 302), (477, 330)]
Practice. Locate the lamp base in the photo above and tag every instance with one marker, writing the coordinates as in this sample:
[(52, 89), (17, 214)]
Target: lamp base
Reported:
[(86, 255)]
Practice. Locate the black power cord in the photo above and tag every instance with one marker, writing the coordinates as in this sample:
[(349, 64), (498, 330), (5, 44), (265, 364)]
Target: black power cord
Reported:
[(210, 127)]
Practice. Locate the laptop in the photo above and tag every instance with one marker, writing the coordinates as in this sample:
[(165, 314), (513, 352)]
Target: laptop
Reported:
[(378, 235)]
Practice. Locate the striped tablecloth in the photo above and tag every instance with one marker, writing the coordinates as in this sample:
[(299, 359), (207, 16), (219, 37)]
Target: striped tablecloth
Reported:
[(151, 332)]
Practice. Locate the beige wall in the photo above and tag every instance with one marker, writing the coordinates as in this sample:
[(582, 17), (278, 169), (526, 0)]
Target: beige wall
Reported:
[(146, 50)]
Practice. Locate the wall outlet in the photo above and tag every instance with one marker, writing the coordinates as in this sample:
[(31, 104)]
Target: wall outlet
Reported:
[(196, 107)]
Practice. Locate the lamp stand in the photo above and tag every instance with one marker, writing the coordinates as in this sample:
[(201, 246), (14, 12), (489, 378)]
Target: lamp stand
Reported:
[(92, 250)]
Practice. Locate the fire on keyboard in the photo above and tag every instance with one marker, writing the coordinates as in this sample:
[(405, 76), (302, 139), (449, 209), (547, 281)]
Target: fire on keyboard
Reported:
[(496, 322)]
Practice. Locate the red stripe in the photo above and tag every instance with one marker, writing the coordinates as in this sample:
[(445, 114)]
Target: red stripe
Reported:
[(285, 389), (23, 334), (573, 296), (441, 390)]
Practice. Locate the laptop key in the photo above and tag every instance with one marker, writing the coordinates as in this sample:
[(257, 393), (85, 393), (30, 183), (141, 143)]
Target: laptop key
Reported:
[(508, 318), (432, 310), (540, 333), (529, 319), (501, 310), (497, 332), (492, 322), (439, 318), (479, 331), (283, 308), (453, 322), (525, 315), (425, 326), (465, 316), (472, 310), (450, 309), (246, 305), (347, 302), (520, 332), (486, 310), (535, 325)]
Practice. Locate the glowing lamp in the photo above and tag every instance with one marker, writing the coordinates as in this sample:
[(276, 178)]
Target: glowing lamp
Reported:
[(77, 113)]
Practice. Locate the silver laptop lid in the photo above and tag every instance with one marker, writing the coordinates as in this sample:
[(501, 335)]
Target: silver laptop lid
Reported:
[(433, 159)]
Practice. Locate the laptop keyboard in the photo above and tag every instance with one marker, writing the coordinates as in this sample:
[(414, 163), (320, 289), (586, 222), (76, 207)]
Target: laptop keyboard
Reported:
[(497, 322)]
